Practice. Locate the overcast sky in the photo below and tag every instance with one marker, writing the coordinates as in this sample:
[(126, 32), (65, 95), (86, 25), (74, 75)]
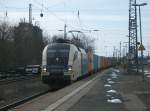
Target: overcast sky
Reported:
[(108, 16)]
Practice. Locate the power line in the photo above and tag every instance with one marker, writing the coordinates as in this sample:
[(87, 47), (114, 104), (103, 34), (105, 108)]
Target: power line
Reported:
[(46, 8), (41, 6)]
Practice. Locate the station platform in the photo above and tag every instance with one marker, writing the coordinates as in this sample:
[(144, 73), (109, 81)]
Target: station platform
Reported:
[(114, 90), (109, 90), (96, 96)]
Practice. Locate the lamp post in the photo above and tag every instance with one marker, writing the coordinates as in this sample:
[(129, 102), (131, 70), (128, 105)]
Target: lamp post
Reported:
[(139, 5), (65, 33)]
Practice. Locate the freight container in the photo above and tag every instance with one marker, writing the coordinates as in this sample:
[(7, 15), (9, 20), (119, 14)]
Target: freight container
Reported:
[(90, 60), (99, 62), (102, 62), (95, 63)]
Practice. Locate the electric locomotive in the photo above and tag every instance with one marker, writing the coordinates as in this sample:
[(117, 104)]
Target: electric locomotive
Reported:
[(64, 62), (61, 62)]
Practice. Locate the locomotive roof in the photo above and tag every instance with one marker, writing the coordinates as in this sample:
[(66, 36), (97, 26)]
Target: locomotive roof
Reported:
[(65, 44)]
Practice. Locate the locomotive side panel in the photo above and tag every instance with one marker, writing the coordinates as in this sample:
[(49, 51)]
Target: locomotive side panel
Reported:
[(75, 63), (84, 62)]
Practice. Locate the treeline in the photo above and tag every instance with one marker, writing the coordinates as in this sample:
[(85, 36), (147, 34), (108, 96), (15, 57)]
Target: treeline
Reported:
[(82, 41), (23, 45), (20, 45)]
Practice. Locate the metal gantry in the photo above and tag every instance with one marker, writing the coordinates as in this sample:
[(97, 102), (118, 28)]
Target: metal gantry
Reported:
[(133, 52)]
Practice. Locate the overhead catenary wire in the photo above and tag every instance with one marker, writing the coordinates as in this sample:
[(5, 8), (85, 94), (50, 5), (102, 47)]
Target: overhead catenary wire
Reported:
[(41, 6), (61, 19)]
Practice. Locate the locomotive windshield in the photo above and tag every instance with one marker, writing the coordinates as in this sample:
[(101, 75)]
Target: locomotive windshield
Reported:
[(57, 56)]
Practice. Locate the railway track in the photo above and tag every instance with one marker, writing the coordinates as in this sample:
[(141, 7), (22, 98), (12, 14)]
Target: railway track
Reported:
[(11, 80), (19, 102)]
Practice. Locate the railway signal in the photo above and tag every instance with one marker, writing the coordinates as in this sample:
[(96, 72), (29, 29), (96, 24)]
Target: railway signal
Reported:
[(141, 47)]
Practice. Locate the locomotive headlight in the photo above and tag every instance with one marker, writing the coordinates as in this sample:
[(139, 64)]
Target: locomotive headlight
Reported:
[(44, 69), (70, 68)]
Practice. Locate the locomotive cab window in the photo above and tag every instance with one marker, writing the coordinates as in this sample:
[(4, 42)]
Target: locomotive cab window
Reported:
[(58, 56)]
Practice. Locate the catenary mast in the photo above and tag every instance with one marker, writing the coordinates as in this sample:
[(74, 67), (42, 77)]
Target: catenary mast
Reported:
[(133, 52)]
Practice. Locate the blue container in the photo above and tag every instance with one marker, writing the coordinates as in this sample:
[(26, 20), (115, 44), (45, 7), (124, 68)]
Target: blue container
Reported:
[(95, 62)]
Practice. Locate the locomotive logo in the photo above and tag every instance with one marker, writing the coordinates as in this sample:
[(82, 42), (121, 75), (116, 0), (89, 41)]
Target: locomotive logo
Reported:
[(57, 59)]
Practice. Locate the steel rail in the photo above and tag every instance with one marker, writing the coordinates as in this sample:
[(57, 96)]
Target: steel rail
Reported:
[(22, 101)]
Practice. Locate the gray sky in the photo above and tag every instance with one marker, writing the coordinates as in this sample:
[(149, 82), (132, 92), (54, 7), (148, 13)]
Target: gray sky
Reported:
[(108, 16)]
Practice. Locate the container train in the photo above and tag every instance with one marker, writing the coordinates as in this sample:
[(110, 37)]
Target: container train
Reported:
[(65, 63)]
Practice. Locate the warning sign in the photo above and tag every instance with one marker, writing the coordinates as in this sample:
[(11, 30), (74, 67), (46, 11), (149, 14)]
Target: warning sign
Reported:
[(141, 47)]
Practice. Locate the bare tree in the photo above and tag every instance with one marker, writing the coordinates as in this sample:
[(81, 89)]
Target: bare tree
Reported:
[(6, 31), (28, 40), (88, 42), (46, 40), (6, 46), (80, 40)]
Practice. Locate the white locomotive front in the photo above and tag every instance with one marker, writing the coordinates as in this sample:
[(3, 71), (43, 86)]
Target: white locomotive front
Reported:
[(61, 62)]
